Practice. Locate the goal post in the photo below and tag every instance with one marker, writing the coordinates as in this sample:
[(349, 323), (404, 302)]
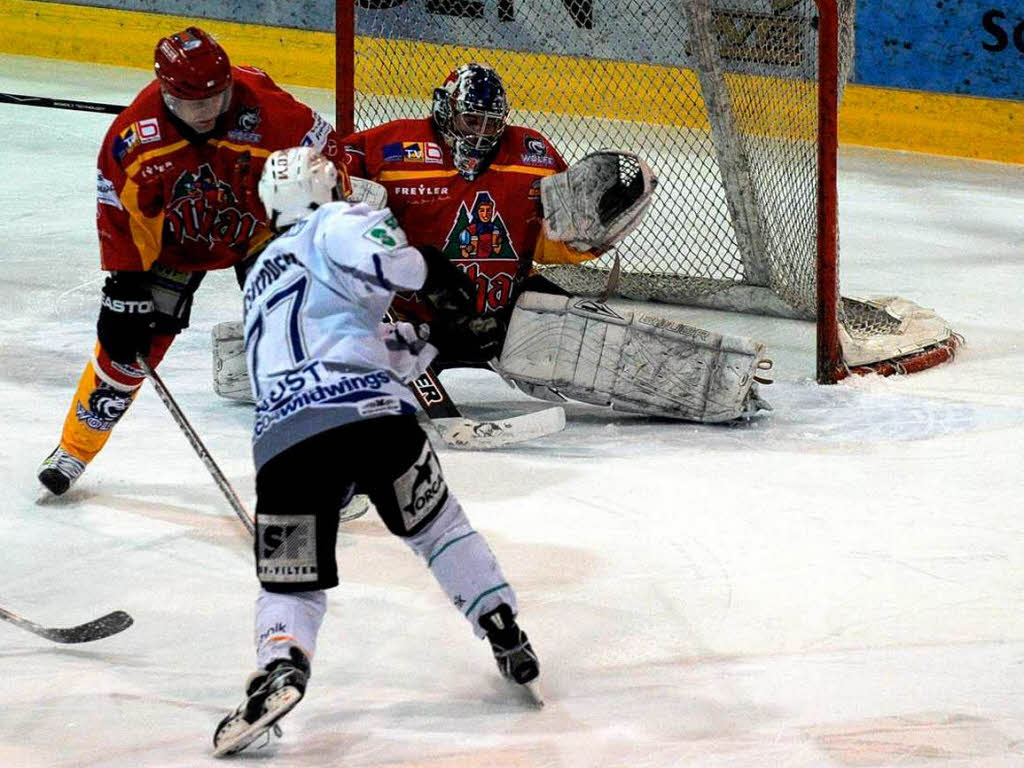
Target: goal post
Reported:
[(733, 103)]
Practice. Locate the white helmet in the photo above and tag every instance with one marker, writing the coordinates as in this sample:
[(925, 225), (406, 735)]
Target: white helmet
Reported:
[(296, 182)]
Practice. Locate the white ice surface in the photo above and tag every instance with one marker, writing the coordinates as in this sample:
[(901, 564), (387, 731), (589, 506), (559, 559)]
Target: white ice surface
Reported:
[(838, 583)]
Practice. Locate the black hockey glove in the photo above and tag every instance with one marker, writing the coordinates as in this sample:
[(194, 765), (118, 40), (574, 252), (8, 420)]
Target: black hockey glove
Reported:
[(468, 339), (447, 288), (125, 326)]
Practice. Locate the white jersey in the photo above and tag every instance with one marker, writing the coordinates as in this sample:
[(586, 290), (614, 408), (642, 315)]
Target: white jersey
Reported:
[(318, 354)]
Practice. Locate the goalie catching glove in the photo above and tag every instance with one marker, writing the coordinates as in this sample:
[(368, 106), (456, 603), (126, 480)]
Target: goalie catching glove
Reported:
[(598, 200)]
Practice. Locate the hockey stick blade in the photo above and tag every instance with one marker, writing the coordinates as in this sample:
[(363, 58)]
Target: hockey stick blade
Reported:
[(97, 629), (469, 434)]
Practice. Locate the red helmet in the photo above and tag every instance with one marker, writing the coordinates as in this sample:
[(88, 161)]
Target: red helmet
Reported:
[(191, 65)]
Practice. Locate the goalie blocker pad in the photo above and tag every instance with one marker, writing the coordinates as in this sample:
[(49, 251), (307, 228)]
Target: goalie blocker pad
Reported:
[(632, 361)]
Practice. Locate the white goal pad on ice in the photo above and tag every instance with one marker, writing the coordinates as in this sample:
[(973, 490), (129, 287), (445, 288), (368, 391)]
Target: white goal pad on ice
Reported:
[(633, 361)]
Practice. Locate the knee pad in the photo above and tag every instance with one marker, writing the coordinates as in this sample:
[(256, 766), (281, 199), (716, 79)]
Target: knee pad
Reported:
[(409, 502)]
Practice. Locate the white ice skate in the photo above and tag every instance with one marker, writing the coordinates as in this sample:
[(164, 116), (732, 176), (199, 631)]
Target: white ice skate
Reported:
[(59, 471)]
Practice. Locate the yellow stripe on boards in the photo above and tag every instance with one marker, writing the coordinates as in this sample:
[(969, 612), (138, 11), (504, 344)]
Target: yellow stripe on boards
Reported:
[(127, 39), (965, 126), (941, 124)]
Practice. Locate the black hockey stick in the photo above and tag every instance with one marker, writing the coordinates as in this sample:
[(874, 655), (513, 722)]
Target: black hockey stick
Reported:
[(197, 446), (97, 629), (356, 508), (43, 101)]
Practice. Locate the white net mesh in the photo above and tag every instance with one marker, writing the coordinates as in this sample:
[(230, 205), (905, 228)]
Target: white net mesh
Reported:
[(718, 96)]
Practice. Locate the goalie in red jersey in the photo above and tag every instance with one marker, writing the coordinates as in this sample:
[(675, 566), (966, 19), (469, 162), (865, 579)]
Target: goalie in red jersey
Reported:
[(176, 197), (467, 183), (496, 199)]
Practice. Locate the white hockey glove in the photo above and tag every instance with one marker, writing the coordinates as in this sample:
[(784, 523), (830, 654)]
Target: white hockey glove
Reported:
[(598, 200), (408, 350), (635, 362)]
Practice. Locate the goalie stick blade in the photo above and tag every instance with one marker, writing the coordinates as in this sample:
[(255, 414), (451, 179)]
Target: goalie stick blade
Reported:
[(469, 434), (97, 629)]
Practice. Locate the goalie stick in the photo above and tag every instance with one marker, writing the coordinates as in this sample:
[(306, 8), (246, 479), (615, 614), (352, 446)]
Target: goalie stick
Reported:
[(97, 629), (457, 431)]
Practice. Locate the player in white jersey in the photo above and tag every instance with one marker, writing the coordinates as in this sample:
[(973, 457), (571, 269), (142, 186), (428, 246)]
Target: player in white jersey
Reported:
[(333, 416)]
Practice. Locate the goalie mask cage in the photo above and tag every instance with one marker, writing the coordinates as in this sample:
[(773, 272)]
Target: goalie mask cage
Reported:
[(734, 105)]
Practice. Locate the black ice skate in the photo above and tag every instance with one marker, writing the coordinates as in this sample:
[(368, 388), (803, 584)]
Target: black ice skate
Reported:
[(512, 650), (271, 694), (59, 471)]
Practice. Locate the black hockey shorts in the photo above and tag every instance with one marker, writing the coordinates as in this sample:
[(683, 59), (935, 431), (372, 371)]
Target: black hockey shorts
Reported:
[(300, 492)]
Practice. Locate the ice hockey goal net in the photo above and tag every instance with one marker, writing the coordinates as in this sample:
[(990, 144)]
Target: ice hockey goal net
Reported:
[(732, 102)]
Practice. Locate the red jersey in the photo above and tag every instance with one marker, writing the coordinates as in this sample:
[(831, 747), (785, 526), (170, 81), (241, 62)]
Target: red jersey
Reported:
[(490, 226), (193, 205)]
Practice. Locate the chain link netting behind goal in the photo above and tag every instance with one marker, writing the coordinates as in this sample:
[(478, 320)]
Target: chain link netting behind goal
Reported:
[(720, 97)]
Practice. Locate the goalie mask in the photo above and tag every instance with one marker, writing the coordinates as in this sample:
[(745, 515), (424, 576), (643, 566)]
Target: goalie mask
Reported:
[(296, 182), (471, 112)]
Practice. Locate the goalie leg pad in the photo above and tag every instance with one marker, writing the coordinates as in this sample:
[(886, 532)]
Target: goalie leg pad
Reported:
[(632, 361), (230, 371)]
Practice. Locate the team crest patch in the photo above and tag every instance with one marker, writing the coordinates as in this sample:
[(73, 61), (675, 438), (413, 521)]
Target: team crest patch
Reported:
[(479, 233), (106, 406), (536, 152)]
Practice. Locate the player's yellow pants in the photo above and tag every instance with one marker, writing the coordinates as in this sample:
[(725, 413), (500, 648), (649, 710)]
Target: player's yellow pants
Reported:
[(105, 390)]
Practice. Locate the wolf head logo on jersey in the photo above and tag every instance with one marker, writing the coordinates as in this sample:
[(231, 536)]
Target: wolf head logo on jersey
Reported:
[(203, 207)]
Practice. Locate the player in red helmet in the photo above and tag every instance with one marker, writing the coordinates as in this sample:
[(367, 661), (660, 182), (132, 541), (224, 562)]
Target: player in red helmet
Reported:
[(195, 78), (176, 197)]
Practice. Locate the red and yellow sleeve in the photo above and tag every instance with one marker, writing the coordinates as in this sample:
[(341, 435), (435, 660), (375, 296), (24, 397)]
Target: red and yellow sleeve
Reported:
[(129, 216), (548, 251)]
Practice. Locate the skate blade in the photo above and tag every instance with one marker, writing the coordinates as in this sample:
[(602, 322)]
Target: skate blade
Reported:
[(280, 704), (533, 688)]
